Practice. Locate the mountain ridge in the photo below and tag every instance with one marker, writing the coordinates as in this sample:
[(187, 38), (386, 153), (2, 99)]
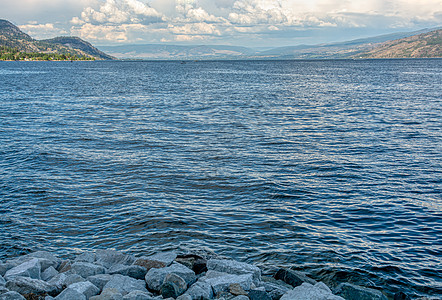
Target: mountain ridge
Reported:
[(339, 50), (12, 37), (424, 45)]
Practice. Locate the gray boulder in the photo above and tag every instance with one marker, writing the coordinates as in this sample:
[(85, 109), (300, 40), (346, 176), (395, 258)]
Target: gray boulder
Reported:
[(166, 258), (44, 255), (354, 292), (64, 266), (108, 294), (306, 291), (73, 278), (57, 283), (27, 285), (173, 286), (11, 296), (100, 280), (184, 297), (86, 257), (221, 282), (70, 294), (85, 269), (236, 290), (259, 295), (138, 295), (241, 297), (275, 288), (49, 273), (125, 284), (31, 268), (294, 278), (3, 289), (86, 288), (109, 258), (2, 281), (234, 267), (134, 271), (155, 277), (200, 290), (4, 267)]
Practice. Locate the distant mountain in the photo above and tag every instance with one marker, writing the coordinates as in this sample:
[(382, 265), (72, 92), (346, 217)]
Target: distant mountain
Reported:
[(11, 36), (178, 52), (77, 43), (346, 49), (424, 45), (341, 50)]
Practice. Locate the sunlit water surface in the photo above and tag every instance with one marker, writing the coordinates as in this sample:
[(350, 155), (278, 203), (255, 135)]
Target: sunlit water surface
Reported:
[(333, 167)]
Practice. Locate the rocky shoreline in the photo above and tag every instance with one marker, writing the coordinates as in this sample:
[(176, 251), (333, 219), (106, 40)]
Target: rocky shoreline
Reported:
[(113, 275)]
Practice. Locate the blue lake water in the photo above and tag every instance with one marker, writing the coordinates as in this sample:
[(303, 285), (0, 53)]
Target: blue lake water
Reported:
[(332, 167)]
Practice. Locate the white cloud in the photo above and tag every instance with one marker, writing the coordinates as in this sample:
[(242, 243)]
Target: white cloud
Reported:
[(195, 29), (109, 21), (42, 31), (119, 12)]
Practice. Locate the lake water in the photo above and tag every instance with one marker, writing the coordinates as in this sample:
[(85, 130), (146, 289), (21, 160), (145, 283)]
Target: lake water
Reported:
[(332, 167)]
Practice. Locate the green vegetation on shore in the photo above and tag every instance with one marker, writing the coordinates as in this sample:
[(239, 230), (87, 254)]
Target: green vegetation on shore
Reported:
[(8, 53)]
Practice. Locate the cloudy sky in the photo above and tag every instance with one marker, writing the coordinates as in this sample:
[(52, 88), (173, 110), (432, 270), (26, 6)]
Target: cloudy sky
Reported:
[(253, 23)]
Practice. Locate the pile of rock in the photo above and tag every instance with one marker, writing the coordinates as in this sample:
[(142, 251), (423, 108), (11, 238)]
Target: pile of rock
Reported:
[(112, 275)]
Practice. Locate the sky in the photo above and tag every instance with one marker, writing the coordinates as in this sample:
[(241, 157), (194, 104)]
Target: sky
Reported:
[(252, 23)]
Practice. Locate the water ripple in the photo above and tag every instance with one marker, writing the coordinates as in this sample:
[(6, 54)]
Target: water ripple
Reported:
[(333, 167)]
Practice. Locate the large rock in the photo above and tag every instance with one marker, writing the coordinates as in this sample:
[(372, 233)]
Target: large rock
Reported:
[(45, 255), (4, 267), (109, 258), (241, 297), (200, 290), (27, 285), (125, 284), (354, 292), (2, 281), (138, 295), (31, 268), (306, 291), (259, 295), (173, 286), (134, 271), (165, 257), (86, 257), (73, 278), (194, 262), (58, 282), (11, 296), (100, 280), (221, 282), (49, 273), (70, 294), (3, 289), (294, 278), (64, 266), (236, 290), (85, 269), (275, 288), (86, 288), (155, 277), (184, 297), (234, 267), (45, 258), (149, 264), (108, 294)]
